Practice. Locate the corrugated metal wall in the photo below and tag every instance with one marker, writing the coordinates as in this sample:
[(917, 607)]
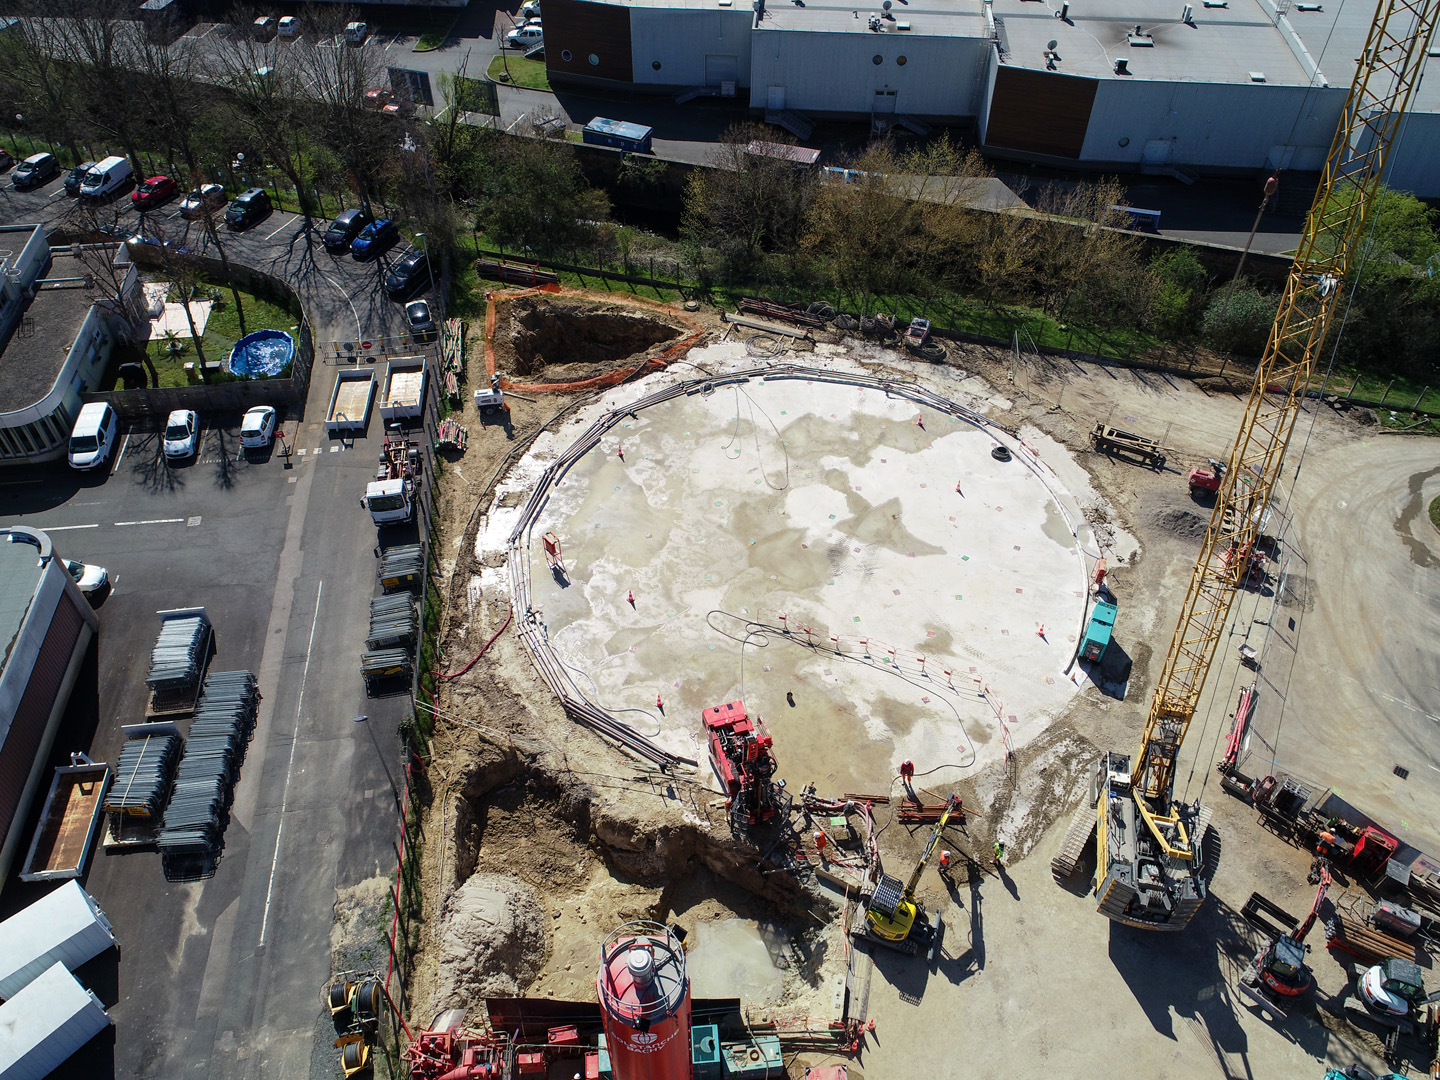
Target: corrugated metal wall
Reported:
[(1213, 125), (27, 729), (836, 72), (693, 46)]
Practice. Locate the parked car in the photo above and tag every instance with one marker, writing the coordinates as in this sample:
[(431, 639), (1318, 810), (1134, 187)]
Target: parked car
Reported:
[(5, 159), (524, 37), (93, 436), (530, 9), (153, 192), (422, 323), (407, 272), (264, 27), (75, 176), (374, 238), (356, 33), (247, 208), (257, 428), (91, 579), (182, 434), (290, 27), (377, 98), (35, 170), (344, 229), (202, 200), (108, 177)]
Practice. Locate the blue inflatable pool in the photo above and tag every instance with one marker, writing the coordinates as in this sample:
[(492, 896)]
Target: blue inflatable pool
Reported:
[(263, 353)]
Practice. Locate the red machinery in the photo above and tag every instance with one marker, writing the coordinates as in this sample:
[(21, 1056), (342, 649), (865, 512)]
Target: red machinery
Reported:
[(740, 754), (1279, 971), (644, 994), (554, 554), (455, 1054)]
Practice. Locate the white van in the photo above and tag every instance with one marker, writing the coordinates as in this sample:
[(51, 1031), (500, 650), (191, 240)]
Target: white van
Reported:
[(94, 436), (111, 175)]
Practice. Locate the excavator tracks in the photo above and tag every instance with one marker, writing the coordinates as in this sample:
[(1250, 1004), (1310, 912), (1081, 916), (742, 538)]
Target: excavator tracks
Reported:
[(1080, 833)]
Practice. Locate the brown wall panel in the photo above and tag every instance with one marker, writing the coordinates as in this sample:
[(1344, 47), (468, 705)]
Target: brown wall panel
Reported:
[(584, 29), (1039, 112)]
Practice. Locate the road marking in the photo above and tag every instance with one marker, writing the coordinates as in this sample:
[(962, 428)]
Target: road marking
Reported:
[(334, 449), (290, 768), (359, 333), (192, 522), (283, 225), (151, 521), (64, 528), (121, 456)]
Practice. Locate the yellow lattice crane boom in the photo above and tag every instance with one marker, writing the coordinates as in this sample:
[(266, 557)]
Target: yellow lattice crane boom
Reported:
[(1149, 870)]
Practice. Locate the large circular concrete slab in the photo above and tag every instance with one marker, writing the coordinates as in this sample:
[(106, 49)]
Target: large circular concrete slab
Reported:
[(857, 568)]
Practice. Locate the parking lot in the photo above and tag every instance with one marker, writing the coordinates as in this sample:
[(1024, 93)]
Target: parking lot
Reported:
[(227, 973)]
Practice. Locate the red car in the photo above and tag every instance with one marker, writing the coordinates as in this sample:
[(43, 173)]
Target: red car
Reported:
[(152, 192)]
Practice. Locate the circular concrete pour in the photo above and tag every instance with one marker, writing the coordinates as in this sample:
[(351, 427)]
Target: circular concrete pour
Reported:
[(913, 572)]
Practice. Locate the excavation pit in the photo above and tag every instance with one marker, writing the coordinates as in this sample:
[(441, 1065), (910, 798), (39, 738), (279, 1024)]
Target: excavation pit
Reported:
[(846, 557), (567, 339)]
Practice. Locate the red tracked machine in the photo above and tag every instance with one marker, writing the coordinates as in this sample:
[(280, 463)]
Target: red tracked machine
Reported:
[(740, 754)]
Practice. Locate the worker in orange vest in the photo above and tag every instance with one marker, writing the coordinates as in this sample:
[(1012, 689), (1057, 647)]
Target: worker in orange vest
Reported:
[(820, 839), (945, 864)]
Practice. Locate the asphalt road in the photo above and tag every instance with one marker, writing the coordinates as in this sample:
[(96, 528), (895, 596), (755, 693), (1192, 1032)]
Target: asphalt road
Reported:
[(225, 975)]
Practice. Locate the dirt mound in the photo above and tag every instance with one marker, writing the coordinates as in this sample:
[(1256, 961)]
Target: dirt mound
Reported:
[(569, 339), (492, 941), (1179, 522)]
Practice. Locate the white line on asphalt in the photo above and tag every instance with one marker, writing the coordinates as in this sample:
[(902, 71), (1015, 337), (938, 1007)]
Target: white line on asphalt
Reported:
[(121, 456), (290, 768), (151, 521), (283, 225), (359, 333), (63, 528)]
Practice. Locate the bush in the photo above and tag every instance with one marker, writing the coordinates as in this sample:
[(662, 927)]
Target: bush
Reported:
[(1238, 319), (1179, 297)]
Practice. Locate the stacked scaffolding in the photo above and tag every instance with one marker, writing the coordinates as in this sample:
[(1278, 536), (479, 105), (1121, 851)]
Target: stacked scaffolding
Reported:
[(393, 622), (142, 777), (402, 567), (198, 812), (177, 661)]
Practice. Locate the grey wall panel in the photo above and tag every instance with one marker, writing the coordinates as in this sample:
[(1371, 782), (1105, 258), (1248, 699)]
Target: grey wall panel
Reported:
[(681, 39)]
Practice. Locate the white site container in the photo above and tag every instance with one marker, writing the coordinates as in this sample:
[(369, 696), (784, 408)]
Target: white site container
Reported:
[(45, 1023), (63, 927)]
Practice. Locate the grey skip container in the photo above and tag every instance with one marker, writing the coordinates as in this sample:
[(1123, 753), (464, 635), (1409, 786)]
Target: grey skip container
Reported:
[(45, 1023), (62, 927)]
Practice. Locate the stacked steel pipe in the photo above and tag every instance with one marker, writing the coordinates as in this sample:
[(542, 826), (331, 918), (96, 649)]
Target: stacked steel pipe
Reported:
[(179, 653)]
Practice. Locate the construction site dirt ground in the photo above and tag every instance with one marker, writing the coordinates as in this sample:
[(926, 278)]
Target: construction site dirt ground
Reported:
[(1028, 980)]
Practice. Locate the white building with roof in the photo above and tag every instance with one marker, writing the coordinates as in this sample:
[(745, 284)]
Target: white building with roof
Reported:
[(1213, 86)]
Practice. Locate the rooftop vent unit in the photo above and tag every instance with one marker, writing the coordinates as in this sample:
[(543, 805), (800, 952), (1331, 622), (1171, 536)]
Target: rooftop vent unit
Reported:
[(902, 26), (1064, 13), (1309, 7), (1257, 76), (1188, 15), (1122, 67), (1217, 3), (1140, 40)]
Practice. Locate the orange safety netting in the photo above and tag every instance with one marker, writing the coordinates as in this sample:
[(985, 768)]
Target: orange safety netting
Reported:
[(611, 378)]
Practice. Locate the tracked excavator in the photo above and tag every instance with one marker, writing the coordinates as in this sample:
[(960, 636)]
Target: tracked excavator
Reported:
[(895, 918), (1150, 870)]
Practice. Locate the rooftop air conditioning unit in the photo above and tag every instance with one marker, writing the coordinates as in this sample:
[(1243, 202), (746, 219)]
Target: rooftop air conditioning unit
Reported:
[(1122, 67)]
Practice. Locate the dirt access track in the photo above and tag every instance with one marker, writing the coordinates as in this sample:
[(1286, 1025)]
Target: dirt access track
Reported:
[(542, 836)]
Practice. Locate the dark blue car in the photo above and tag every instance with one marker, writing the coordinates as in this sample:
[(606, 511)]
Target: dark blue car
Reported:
[(374, 238)]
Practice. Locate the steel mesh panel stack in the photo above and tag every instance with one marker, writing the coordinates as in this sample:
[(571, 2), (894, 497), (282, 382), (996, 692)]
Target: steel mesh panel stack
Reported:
[(393, 621), (401, 567), (179, 653), (142, 776), (199, 806)]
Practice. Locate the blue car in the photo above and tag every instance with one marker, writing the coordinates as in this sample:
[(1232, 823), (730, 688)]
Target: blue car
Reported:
[(374, 238)]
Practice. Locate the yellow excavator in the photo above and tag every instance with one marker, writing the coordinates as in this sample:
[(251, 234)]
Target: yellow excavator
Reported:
[(895, 918), (1149, 849)]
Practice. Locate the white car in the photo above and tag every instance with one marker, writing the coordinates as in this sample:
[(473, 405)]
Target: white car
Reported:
[(182, 434), (524, 37), (290, 26), (356, 33), (91, 579), (530, 9), (257, 429)]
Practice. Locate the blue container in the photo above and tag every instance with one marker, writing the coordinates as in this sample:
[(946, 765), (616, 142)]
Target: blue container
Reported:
[(619, 134), (264, 353), (754, 1060), (705, 1052)]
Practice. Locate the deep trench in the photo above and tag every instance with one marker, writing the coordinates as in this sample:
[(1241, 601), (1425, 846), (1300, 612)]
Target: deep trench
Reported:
[(545, 332)]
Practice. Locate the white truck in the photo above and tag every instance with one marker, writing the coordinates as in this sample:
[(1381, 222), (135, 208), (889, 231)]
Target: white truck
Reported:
[(390, 497), (350, 401), (404, 395)]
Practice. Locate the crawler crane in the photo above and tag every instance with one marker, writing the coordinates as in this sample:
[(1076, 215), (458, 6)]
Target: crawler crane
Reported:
[(1149, 870)]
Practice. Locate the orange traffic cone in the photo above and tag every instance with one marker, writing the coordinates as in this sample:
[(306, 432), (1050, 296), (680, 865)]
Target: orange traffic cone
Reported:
[(659, 704), (630, 597), (957, 489), (620, 451), (1041, 632), (920, 422)]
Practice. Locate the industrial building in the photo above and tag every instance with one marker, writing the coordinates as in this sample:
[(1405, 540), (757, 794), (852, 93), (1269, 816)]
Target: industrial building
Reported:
[(47, 626), (1214, 87), (57, 330)]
